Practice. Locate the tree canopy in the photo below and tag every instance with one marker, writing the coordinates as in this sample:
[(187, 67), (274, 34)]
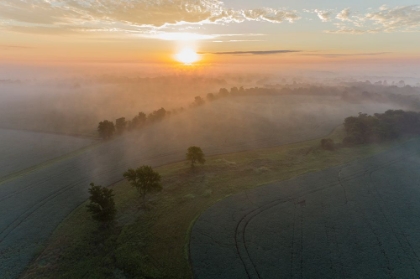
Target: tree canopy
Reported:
[(157, 115), (138, 121), (102, 205), (380, 126), (106, 129), (120, 125), (195, 155), (144, 179)]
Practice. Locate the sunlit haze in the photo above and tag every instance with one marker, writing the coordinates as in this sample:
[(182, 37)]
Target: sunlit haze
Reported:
[(187, 56), (209, 139), (317, 35)]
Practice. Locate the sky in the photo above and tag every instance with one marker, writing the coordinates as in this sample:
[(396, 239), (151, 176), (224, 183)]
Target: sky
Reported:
[(240, 32)]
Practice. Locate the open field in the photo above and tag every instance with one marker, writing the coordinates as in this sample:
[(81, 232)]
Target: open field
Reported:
[(154, 243), (33, 204), (360, 220), (20, 150)]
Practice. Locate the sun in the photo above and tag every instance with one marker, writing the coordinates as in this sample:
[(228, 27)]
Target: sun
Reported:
[(187, 56)]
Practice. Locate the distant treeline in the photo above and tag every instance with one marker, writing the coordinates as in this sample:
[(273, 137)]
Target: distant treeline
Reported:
[(107, 128), (380, 127)]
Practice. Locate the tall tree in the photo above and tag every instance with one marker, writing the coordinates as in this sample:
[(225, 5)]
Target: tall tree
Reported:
[(106, 129), (138, 121), (157, 115), (198, 101), (144, 179), (102, 205), (195, 155), (120, 125)]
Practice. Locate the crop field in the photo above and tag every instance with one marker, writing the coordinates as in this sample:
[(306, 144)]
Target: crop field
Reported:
[(359, 220), (20, 150), (33, 204)]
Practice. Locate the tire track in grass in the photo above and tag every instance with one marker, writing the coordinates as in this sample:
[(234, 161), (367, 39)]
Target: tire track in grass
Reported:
[(367, 166), (390, 270), (395, 231), (301, 241), (341, 184), (292, 256), (243, 251), (11, 227), (331, 242), (240, 243), (30, 186)]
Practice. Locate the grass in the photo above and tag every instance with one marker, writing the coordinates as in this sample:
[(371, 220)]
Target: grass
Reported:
[(152, 242)]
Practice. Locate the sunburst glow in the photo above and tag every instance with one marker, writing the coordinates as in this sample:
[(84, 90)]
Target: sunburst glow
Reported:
[(187, 56)]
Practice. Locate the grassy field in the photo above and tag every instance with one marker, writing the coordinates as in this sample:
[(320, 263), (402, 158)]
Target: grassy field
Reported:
[(23, 150), (152, 242)]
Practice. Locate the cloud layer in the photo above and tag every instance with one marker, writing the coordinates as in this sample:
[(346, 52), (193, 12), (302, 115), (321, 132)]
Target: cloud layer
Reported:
[(125, 15), (255, 52), (386, 19), (145, 16)]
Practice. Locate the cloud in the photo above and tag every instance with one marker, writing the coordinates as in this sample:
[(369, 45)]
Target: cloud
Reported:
[(339, 55), (344, 15), (14, 47), (145, 18), (237, 41), (385, 19), (353, 31), (406, 18), (253, 52), (127, 15), (271, 15), (324, 16)]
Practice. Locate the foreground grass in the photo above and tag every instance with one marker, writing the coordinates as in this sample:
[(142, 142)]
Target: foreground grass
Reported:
[(152, 242)]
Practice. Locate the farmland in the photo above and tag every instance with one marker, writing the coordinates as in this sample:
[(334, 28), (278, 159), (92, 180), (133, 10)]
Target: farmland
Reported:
[(33, 204), (21, 150), (358, 220)]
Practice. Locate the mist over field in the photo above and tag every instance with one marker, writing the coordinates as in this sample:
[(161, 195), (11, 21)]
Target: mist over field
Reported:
[(74, 104), (209, 139), (51, 149)]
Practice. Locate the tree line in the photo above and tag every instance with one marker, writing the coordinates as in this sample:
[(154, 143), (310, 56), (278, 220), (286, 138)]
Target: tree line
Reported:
[(376, 128), (107, 129), (380, 127)]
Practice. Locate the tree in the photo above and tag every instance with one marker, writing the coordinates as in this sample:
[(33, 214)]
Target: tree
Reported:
[(106, 129), (102, 205), (234, 91), (195, 155), (210, 97), (120, 125), (138, 121), (223, 92), (145, 179), (157, 115), (198, 101)]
